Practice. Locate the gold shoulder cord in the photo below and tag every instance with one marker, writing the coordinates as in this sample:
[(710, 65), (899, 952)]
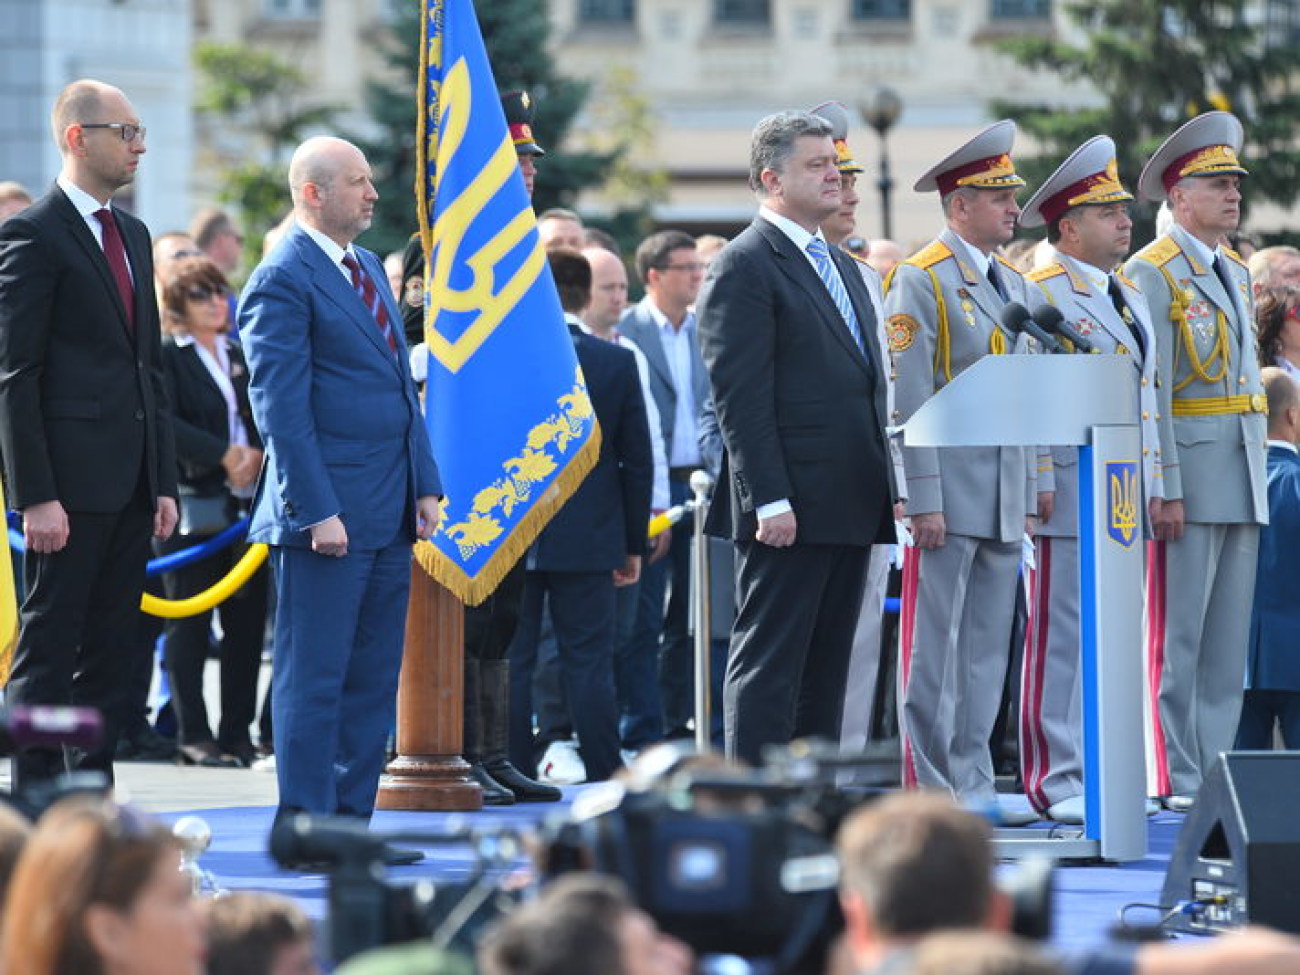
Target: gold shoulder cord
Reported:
[(942, 350), (1178, 315)]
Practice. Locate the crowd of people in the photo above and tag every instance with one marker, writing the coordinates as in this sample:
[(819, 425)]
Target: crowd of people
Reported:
[(145, 406)]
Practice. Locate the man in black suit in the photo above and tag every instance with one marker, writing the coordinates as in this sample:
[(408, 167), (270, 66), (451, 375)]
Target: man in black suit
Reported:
[(593, 544), (84, 426), (787, 333)]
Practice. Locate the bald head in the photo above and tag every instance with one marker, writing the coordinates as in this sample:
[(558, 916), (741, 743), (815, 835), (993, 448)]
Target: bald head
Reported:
[(608, 291), (80, 102), (332, 188)]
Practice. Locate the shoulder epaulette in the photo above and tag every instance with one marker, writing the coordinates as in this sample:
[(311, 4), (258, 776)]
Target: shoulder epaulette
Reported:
[(1124, 279), (930, 255), (1007, 264), (1160, 251), (1234, 255), (1054, 270)]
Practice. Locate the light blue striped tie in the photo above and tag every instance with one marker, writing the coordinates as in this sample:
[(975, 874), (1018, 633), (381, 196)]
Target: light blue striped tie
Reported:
[(830, 278)]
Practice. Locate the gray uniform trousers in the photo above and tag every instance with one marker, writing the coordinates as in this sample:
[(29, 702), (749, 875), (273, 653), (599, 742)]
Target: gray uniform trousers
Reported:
[(1197, 651)]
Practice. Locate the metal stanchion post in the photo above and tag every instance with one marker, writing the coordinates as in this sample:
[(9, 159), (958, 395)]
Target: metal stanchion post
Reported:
[(701, 604)]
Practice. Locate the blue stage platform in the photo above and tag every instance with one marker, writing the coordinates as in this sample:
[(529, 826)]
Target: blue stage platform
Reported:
[(1088, 900)]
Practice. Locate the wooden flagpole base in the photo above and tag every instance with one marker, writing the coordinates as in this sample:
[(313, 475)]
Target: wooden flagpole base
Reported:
[(428, 773)]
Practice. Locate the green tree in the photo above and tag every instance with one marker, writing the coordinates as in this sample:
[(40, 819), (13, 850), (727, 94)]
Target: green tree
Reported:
[(1157, 63), (260, 93), (515, 33)]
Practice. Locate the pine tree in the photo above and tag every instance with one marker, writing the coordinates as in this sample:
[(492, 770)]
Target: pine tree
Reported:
[(1156, 64), (515, 33)]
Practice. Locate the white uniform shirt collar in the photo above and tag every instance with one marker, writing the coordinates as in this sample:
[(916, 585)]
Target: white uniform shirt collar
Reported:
[(974, 255), (1203, 255), (1094, 275), (331, 248)]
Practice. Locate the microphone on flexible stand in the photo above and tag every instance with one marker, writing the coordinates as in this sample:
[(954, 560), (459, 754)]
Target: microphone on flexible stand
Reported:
[(1016, 320), (1050, 320)]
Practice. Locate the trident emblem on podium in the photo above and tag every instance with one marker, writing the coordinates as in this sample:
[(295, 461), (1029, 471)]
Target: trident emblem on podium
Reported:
[(1122, 501)]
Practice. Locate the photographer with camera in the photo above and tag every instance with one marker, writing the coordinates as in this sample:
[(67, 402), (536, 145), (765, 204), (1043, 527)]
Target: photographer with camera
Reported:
[(914, 864)]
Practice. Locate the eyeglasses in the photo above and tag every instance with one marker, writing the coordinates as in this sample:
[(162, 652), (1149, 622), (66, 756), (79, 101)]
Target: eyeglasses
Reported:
[(691, 267), (201, 292), (129, 131)]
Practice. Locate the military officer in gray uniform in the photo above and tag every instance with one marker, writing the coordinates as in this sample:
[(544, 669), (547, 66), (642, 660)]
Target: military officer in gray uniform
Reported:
[(864, 658), (1200, 579), (1085, 209), (969, 506)]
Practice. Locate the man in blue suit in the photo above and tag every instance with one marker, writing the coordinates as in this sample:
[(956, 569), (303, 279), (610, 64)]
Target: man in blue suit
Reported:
[(1273, 661), (348, 484)]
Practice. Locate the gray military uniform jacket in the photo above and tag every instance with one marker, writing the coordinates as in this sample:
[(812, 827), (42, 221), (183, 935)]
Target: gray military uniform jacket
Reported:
[(1067, 285), (944, 316), (1210, 385)]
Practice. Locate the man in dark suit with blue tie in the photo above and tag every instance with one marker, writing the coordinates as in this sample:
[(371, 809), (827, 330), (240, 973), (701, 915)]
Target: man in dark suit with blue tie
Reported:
[(349, 482), (84, 427), (591, 546), (1273, 661), (788, 335)]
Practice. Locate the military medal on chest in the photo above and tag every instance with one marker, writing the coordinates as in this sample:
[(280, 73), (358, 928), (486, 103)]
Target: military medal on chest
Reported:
[(967, 306)]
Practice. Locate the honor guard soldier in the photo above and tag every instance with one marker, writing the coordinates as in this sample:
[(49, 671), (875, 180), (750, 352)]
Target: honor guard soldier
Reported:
[(1201, 571), (864, 659), (1085, 209), (969, 506)]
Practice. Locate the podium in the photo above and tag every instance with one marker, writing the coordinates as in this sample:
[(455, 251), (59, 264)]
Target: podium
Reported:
[(1088, 401)]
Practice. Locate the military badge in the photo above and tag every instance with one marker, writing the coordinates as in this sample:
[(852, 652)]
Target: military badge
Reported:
[(1085, 326), (901, 331), (1123, 503)]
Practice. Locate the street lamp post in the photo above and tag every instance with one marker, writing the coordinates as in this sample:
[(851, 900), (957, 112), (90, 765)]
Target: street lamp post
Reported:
[(881, 111)]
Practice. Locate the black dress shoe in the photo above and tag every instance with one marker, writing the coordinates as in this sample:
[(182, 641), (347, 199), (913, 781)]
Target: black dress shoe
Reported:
[(145, 746), (494, 793), (524, 788), (401, 856), (207, 755)]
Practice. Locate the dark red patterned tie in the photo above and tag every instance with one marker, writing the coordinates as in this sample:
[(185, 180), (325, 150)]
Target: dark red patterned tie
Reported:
[(366, 289), (116, 254)]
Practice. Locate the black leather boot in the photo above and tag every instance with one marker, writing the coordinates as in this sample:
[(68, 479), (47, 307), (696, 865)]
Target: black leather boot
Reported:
[(494, 706), (494, 793)]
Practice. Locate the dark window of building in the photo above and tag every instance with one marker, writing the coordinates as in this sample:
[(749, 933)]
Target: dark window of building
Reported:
[(882, 9), (1282, 24), (607, 11), (1021, 9), (742, 11)]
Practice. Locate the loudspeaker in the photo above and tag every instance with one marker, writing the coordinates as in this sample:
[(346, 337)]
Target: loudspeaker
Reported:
[(1237, 859)]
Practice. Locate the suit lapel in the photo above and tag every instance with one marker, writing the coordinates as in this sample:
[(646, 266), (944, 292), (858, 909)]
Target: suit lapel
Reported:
[(337, 289), (796, 267), (95, 254), (653, 345)]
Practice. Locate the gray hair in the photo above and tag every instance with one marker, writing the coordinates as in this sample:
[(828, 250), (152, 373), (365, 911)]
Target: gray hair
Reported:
[(773, 141)]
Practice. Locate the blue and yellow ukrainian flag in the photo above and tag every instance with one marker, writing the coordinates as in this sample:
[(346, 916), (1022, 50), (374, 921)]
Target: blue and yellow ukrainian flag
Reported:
[(512, 426)]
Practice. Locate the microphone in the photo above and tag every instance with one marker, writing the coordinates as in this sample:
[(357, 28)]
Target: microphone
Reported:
[(1051, 320), (49, 726), (305, 838), (1016, 319)]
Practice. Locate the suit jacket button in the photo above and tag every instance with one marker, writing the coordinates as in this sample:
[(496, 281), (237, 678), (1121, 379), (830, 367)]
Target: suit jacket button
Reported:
[(139, 414)]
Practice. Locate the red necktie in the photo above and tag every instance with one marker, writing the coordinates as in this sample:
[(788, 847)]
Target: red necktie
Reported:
[(116, 254), (366, 289)]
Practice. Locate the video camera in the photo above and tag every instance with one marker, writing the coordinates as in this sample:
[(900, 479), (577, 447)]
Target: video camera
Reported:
[(367, 911), (743, 863), (52, 726)]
